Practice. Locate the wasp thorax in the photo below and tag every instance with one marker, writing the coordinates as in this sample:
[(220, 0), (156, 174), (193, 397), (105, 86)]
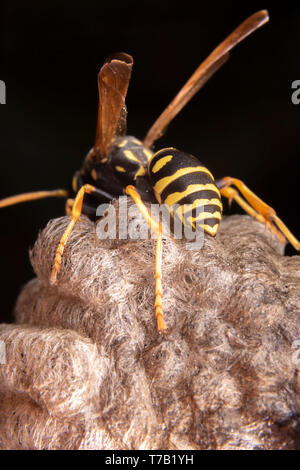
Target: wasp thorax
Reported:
[(129, 157)]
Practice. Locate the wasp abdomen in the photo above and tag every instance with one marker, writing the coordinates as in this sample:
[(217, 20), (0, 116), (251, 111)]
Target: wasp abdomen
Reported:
[(187, 187)]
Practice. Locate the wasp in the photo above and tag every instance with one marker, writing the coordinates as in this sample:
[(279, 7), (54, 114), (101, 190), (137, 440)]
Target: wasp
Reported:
[(120, 163)]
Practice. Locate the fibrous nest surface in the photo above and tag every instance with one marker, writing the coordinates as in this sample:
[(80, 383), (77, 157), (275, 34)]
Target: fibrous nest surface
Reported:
[(87, 368)]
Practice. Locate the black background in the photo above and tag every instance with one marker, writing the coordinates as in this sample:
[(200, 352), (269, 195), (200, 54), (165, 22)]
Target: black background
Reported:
[(242, 123)]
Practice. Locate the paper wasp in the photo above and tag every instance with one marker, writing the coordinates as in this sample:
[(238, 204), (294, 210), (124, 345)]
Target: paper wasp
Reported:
[(119, 163)]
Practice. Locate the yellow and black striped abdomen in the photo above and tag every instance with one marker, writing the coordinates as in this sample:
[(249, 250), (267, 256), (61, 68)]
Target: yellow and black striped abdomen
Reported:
[(187, 187)]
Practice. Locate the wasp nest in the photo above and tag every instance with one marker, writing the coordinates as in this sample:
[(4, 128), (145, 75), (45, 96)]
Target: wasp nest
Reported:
[(86, 367)]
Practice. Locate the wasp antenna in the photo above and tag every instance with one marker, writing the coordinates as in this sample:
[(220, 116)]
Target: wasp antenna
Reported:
[(33, 196)]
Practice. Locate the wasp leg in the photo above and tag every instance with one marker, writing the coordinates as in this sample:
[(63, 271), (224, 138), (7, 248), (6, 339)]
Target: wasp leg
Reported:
[(75, 216), (232, 194), (157, 228), (257, 208), (153, 224), (158, 285), (10, 201)]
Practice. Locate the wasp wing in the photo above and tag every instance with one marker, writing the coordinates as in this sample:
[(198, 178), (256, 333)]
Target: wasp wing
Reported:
[(213, 62), (113, 82)]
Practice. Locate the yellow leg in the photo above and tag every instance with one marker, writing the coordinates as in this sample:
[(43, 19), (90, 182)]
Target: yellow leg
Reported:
[(158, 285), (75, 216), (257, 209), (12, 200), (154, 225), (157, 228)]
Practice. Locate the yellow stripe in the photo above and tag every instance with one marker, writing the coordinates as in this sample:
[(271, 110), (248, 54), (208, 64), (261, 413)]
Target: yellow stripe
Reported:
[(207, 228), (164, 182), (130, 155), (156, 153), (136, 141), (141, 172), (148, 154), (211, 230), (205, 215), (94, 174), (201, 216), (161, 163), (200, 202), (123, 143), (158, 198), (192, 188), (120, 169)]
